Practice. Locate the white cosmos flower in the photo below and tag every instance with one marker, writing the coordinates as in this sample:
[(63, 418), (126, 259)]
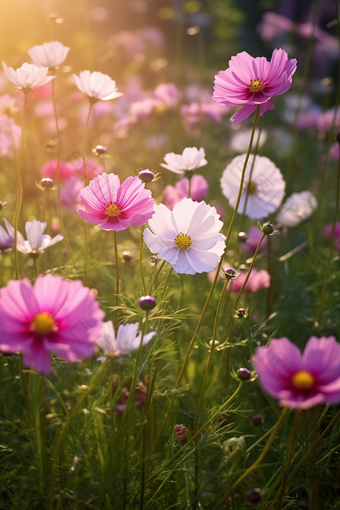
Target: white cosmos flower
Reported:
[(50, 54), (187, 237), (296, 209), (95, 85), (190, 159), (240, 140), (6, 239), (28, 76), (267, 187), (37, 241), (128, 338)]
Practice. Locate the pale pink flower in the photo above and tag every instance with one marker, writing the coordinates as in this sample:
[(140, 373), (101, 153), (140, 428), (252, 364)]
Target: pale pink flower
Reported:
[(253, 81), (199, 190), (10, 136), (300, 380), (239, 141), (296, 209), (28, 76), (69, 193), (6, 239), (115, 206), (52, 315), (127, 340), (168, 94), (187, 237), (258, 279), (8, 106), (49, 169), (50, 54), (37, 241), (190, 159), (194, 113), (142, 110), (267, 187), (96, 86), (76, 167)]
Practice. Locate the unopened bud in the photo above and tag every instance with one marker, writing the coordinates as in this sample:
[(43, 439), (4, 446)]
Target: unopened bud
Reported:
[(230, 273), (244, 374), (146, 175), (254, 496), (99, 150), (242, 237), (127, 256), (268, 228), (181, 432), (147, 303), (46, 183), (257, 420)]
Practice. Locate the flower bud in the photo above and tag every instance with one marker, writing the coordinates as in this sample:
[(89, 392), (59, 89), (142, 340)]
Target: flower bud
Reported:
[(127, 256), (241, 312), (181, 432), (99, 150), (146, 175), (244, 374), (230, 273), (254, 496), (2, 205), (268, 228), (46, 183), (147, 303), (257, 420), (242, 237)]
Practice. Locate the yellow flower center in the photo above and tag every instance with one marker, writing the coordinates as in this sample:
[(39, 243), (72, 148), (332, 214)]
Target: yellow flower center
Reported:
[(252, 188), (303, 380), (113, 210), (43, 323), (183, 241), (161, 108), (256, 85)]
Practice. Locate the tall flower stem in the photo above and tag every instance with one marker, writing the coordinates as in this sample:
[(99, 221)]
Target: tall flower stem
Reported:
[(292, 446), (20, 172), (141, 260), (213, 340), (331, 241), (117, 273), (60, 215), (243, 287), (257, 462), (251, 174), (86, 181), (193, 339)]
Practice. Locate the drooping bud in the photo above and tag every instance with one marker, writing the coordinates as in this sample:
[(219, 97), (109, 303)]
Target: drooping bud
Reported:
[(242, 237), (181, 432), (257, 420), (147, 303), (146, 175), (244, 374)]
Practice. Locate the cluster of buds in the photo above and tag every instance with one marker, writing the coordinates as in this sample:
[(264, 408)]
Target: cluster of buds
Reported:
[(181, 433)]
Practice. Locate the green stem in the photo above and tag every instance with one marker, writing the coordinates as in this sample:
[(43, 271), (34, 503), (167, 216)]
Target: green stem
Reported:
[(86, 181), (20, 172), (331, 241), (213, 340), (60, 215), (251, 174), (117, 274), (289, 458), (141, 260), (243, 287), (257, 462), (35, 267)]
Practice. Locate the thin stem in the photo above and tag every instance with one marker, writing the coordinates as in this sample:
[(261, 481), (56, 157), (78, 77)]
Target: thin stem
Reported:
[(189, 188), (192, 341), (20, 172), (257, 462), (35, 267), (60, 215), (117, 274), (312, 448), (213, 340), (292, 446), (331, 240), (43, 204), (251, 174), (243, 287), (86, 181), (141, 260)]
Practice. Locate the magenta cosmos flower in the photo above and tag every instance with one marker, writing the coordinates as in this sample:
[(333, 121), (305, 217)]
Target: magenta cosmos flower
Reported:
[(253, 81), (115, 206), (54, 315), (300, 380)]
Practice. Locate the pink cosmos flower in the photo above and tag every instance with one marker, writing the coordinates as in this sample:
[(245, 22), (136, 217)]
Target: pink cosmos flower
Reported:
[(10, 136), (69, 193), (142, 110), (258, 279), (27, 76), (76, 167), (168, 94), (199, 190), (253, 81), (52, 315), (50, 170), (300, 380), (115, 206), (328, 230)]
